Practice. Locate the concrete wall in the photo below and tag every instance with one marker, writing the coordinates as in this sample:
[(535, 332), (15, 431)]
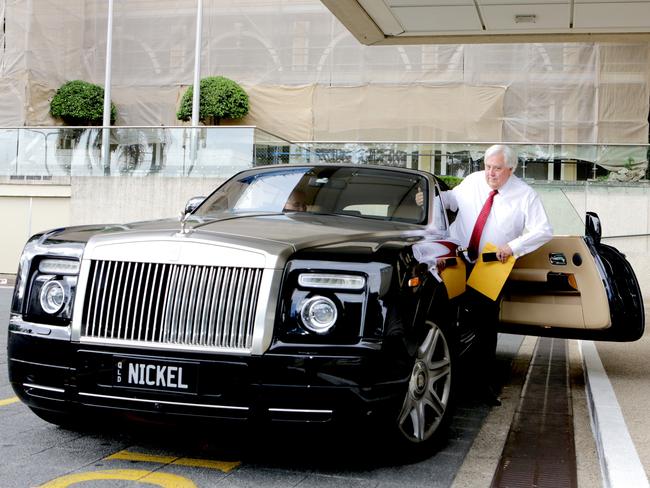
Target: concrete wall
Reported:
[(624, 212), (28, 208), (127, 199)]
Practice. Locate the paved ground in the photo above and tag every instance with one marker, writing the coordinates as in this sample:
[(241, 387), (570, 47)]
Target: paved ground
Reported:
[(628, 368), (480, 464)]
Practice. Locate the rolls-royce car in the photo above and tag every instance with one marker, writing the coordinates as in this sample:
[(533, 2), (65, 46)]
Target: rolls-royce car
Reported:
[(304, 293)]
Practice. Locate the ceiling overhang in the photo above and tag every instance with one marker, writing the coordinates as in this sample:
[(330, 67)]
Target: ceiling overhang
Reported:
[(377, 22)]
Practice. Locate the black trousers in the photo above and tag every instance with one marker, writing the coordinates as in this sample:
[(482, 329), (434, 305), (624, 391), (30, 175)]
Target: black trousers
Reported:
[(482, 314)]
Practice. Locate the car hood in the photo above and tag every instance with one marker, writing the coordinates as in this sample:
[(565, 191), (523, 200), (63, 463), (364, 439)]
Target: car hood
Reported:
[(301, 230), (274, 236)]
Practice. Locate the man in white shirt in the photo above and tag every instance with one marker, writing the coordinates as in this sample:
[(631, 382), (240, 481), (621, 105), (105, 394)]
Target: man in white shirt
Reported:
[(513, 219), (517, 223)]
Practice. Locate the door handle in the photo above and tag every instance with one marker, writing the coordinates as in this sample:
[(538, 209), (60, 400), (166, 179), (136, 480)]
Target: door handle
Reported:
[(557, 258)]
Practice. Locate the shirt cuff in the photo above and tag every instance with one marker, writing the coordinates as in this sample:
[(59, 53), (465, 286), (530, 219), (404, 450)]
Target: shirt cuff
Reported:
[(516, 248)]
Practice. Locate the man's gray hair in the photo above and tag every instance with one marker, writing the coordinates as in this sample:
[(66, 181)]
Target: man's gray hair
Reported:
[(508, 154)]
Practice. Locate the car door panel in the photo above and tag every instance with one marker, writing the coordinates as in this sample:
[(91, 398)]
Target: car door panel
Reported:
[(548, 292), (575, 287)]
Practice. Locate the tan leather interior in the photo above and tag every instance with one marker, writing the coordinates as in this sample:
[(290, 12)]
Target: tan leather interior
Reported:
[(531, 298)]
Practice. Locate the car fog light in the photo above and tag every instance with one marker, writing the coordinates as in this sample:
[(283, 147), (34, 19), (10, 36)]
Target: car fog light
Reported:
[(318, 314), (52, 297), (327, 280)]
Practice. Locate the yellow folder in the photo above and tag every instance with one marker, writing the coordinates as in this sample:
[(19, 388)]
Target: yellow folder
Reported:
[(489, 278), (454, 276)]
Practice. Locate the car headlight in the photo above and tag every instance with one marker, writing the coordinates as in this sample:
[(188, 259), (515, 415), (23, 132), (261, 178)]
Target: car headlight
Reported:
[(51, 291), (318, 314), (52, 297)]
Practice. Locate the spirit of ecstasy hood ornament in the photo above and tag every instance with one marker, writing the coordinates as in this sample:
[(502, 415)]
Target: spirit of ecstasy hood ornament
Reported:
[(182, 217)]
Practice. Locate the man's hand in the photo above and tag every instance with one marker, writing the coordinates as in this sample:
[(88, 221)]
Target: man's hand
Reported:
[(503, 253), (419, 197)]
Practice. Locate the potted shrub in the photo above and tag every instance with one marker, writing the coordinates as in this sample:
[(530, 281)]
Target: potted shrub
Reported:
[(221, 98), (79, 103)]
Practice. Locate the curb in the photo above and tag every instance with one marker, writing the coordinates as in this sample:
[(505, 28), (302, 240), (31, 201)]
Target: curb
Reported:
[(7, 280), (619, 461)]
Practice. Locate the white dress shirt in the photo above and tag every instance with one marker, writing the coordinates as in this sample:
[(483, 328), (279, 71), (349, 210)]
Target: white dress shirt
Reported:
[(517, 217)]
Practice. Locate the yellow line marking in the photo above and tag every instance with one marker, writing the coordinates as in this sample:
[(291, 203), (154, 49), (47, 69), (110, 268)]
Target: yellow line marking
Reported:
[(225, 466), (8, 401), (146, 458), (164, 480)]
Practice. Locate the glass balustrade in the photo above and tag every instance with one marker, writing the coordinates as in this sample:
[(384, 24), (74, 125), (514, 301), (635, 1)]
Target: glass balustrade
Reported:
[(42, 152), (539, 162), (38, 152)]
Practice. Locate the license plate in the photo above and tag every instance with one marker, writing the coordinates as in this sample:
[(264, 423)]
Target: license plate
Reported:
[(151, 374)]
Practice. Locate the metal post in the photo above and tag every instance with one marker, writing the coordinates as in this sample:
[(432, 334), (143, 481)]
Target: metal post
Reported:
[(18, 131), (443, 159), (196, 90), (106, 123)]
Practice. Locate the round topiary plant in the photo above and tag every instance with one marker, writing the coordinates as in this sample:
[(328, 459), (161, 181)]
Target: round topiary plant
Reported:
[(221, 98), (80, 103)]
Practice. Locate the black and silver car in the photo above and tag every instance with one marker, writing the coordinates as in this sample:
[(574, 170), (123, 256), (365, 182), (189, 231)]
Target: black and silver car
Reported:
[(250, 309)]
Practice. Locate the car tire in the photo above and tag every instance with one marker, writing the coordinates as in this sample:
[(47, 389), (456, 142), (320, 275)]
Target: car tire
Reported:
[(429, 399)]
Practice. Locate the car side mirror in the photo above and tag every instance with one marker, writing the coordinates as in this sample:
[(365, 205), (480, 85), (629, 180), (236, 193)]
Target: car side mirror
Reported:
[(192, 204), (592, 227)]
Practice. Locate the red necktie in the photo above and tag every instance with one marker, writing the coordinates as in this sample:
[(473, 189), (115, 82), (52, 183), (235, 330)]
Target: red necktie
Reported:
[(474, 241)]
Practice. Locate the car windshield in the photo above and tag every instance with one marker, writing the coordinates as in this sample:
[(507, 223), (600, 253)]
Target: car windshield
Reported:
[(362, 192)]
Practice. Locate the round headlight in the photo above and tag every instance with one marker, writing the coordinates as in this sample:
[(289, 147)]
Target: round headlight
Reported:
[(318, 314), (52, 297)]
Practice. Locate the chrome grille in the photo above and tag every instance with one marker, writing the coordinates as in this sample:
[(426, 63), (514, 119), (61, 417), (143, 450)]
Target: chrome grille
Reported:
[(171, 304)]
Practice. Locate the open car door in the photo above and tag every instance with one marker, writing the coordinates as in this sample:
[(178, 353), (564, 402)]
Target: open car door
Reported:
[(574, 287)]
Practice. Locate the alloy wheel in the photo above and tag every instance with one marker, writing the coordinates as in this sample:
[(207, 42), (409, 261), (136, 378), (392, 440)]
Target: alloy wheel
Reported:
[(427, 398)]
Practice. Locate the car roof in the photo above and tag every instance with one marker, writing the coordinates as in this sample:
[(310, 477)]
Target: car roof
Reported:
[(340, 165)]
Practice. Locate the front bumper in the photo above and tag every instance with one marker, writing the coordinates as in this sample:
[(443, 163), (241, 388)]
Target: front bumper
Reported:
[(289, 382)]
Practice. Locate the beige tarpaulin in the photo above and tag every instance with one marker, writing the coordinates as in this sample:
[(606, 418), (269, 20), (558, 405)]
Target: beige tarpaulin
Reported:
[(378, 112), (284, 110), (308, 78), (409, 113), (12, 102)]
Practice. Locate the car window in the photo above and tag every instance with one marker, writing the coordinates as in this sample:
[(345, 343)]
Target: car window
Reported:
[(564, 209), (253, 193), (438, 220), (354, 191), (266, 194)]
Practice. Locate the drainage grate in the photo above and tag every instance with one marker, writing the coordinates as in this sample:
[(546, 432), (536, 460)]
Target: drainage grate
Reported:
[(540, 449)]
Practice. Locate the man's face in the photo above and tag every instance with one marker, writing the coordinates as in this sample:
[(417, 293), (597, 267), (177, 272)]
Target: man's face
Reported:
[(496, 171), (295, 203)]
